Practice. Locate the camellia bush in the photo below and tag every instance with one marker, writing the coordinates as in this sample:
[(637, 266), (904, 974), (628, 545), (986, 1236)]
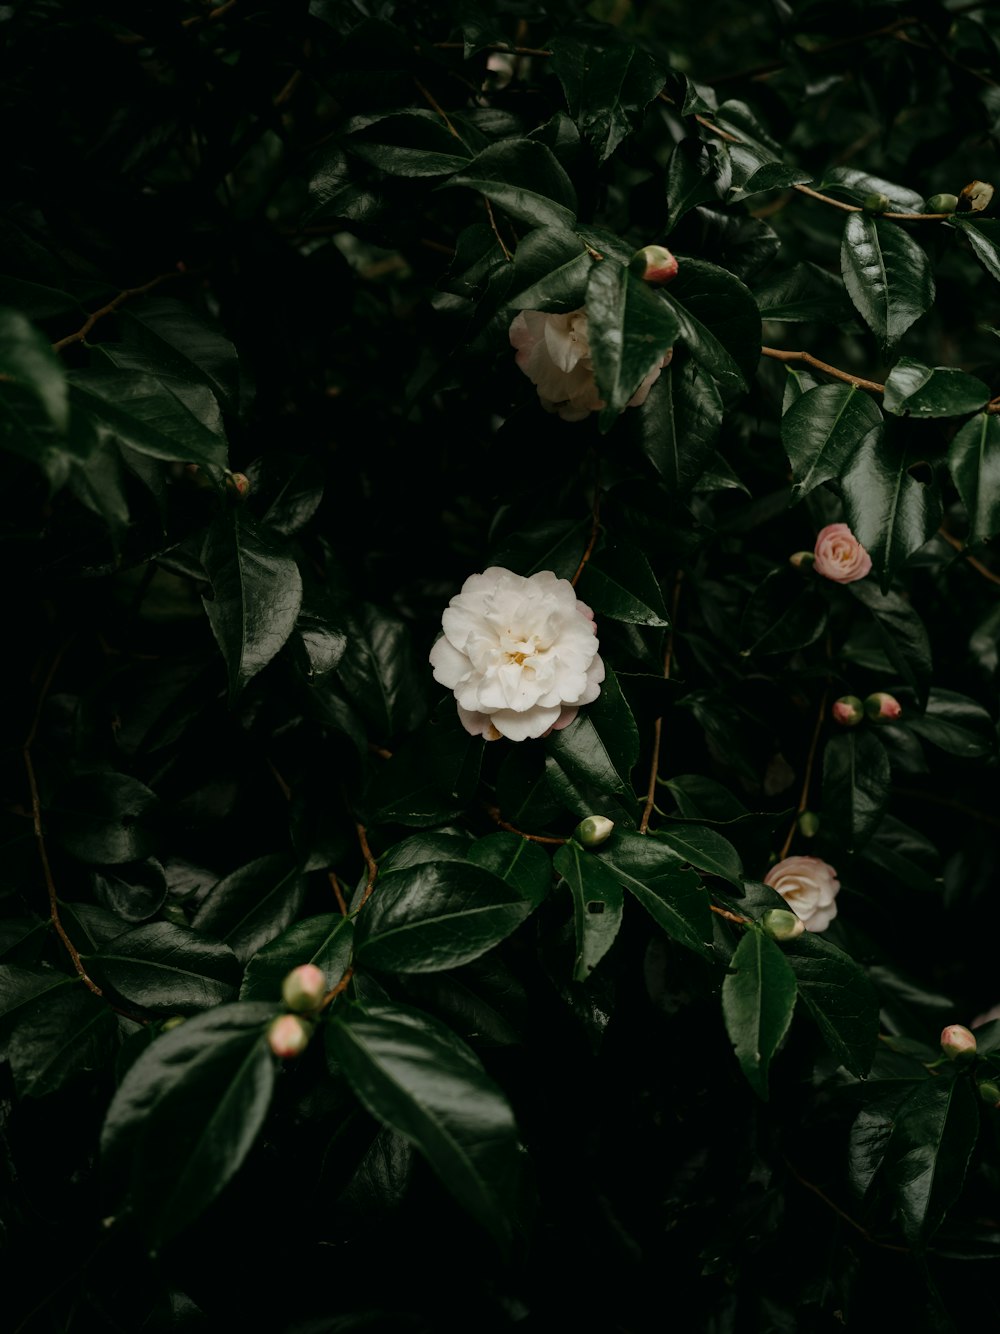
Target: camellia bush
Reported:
[(501, 790)]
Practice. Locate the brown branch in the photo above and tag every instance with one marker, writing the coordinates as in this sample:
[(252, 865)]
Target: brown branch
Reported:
[(286, 791), (495, 46), (874, 1241), (730, 916), (435, 106), (595, 526), (810, 761), (288, 90), (654, 764), (111, 307), (494, 813), (196, 21), (780, 354), (36, 812), (338, 892), (507, 254), (341, 986), (370, 862), (977, 565)]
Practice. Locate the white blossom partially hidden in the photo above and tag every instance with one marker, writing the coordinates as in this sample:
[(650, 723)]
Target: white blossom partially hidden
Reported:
[(554, 353), (519, 653), (809, 886)]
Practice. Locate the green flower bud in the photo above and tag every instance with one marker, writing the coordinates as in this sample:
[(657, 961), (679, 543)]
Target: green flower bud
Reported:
[(958, 1043), (989, 1092), (808, 824), (304, 988), (654, 263), (802, 560), (943, 203), (876, 202), (848, 711), (781, 925), (593, 831), (883, 708), (288, 1036)]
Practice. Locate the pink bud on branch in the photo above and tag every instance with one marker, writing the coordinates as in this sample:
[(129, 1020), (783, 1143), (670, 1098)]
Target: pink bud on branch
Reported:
[(288, 1036), (304, 988), (957, 1042), (848, 711), (882, 708)]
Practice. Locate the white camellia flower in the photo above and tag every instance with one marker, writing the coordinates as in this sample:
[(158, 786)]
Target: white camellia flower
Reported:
[(554, 353), (809, 886), (519, 653)]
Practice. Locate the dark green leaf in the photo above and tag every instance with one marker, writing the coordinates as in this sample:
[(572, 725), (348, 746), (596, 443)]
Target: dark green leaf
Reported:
[(887, 274), (105, 818), (619, 583), (974, 463), (525, 179), (436, 916), (410, 143), (719, 321), (932, 1140), (673, 896), (888, 510), (983, 235), (413, 1074), (601, 746), (680, 424), (915, 390), (319, 635), (902, 632), (134, 891), (257, 594), (187, 1113), (432, 775), (19, 989), (63, 1032), (141, 412), (26, 429), (630, 329), (324, 941), (824, 429), (956, 724), (253, 905), (28, 360), (784, 613), (166, 969), (378, 671), (840, 998), (856, 785), (802, 294), (858, 184), (608, 86), (168, 339), (703, 848), (758, 998), (698, 172), (551, 268), (516, 860), (597, 905)]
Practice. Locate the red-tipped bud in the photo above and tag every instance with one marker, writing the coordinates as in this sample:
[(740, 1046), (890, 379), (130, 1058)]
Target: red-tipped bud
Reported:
[(802, 560), (808, 824), (288, 1036), (957, 1042), (593, 831), (304, 988), (780, 924), (238, 482), (655, 263), (883, 708), (989, 1093), (848, 711)]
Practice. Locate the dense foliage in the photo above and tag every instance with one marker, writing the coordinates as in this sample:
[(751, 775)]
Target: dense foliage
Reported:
[(261, 419)]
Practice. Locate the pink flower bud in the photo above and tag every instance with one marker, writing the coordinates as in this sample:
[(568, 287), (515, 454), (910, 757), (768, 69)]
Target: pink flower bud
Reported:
[(240, 483), (304, 988), (957, 1042), (288, 1036), (781, 925), (881, 707), (848, 711), (654, 263), (840, 556)]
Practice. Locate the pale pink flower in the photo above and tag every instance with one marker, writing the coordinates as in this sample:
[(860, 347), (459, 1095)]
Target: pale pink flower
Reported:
[(840, 556), (809, 886), (519, 653), (554, 353)]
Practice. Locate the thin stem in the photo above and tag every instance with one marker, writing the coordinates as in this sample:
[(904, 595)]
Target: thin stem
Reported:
[(338, 893), (730, 916), (977, 565), (341, 986), (781, 354), (494, 813), (595, 526), (112, 306), (507, 254), (496, 46), (654, 763), (810, 761), (436, 107), (874, 1241), (370, 862)]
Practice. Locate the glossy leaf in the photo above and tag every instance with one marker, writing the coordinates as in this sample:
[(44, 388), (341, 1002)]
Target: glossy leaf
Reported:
[(680, 424), (698, 172), (887, 274), (178, 342), (674, 897), (619, 583), (974, 464), (598, 902), (325, 941), (166, 969), (983, 236), (256, 594), (516, 860), (187, 1113), (719, 321), (525, 179), (377, 671), (436, 916), (133, 891), (629, 329), (839, 997), (888, 510), (784, 613), (248, 908), (758, 998), (703, 848), (413, 1074), (141, 412), (105, 818), (955, 724), (902, 633), (607, 85), (824, 429), (915, 390), (602, 745), (413, 143), (28, 360), (856, 785), (802, 294), (64, 1032)]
